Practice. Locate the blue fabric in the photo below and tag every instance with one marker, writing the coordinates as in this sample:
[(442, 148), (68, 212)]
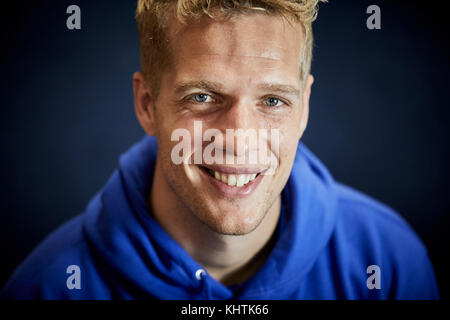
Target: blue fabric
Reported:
[(327, 236)]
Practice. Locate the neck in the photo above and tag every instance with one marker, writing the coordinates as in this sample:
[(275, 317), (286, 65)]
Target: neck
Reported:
[(228, 258)]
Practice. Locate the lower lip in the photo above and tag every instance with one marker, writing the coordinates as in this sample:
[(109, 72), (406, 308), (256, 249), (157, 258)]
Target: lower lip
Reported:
[(234, 192)]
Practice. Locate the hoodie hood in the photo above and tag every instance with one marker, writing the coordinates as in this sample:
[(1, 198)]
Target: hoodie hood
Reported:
[(132, 246)]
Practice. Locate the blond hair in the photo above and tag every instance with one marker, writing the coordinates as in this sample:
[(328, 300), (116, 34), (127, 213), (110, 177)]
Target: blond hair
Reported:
[(153, 15)]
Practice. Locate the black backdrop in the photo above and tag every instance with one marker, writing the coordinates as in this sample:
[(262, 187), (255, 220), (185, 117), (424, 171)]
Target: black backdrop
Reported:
[(379, 112)]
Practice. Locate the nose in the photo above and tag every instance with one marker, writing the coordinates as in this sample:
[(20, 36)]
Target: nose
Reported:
[(238, 123), (237, 116)]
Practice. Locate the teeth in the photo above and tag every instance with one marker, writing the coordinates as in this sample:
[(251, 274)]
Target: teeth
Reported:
[(224, 178), (241, 180), (232, 180)]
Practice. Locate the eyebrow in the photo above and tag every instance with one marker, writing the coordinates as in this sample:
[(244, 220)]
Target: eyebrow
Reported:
[(280, 88), (203, 85), (216, 87)]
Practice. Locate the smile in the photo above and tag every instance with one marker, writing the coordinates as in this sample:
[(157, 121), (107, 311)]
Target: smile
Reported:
[(233, 182)]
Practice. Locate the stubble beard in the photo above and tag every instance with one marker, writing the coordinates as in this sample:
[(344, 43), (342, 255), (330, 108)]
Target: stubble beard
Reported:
[(197, 206)]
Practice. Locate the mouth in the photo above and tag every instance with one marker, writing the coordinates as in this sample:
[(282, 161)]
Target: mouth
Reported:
[(233, 182)]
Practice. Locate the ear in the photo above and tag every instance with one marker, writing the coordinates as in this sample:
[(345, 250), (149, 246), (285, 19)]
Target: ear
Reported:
[(144, 104), (305, 110)]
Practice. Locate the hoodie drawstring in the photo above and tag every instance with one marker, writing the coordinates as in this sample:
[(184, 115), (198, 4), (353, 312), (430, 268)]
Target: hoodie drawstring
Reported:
[(205, 287)]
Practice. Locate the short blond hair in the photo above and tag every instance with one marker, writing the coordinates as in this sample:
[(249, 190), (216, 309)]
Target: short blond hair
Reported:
[(153, 16)]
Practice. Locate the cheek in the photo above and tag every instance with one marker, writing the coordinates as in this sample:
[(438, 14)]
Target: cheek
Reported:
[(288, 149), (289, 139), (290, 130), (184, 144)]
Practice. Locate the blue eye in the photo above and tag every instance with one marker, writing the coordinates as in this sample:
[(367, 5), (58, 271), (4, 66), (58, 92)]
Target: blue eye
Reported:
[(272, 102), (201, 98)]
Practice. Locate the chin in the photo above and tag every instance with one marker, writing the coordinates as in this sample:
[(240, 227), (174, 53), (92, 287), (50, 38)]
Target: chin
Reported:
[(234, 222)]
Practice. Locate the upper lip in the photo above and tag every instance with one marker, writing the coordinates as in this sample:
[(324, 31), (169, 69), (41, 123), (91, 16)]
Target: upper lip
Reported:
[(235, 170)]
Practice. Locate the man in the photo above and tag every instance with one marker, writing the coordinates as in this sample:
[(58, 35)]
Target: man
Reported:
[(189, 215)]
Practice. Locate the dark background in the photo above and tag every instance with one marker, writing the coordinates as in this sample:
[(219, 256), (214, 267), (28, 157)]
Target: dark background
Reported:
[(379, 112)]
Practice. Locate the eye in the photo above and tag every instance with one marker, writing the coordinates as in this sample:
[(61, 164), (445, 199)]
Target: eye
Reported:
[(202, 98), (272, 102)]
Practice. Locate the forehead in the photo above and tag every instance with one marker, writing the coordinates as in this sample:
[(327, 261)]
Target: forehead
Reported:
[(252, 42)]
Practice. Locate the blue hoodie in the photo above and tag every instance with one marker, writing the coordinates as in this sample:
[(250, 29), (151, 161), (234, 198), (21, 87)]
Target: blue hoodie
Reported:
[(327, 237)]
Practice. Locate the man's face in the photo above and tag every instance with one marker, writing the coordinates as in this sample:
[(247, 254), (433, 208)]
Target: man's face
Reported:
[(240, 74)]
